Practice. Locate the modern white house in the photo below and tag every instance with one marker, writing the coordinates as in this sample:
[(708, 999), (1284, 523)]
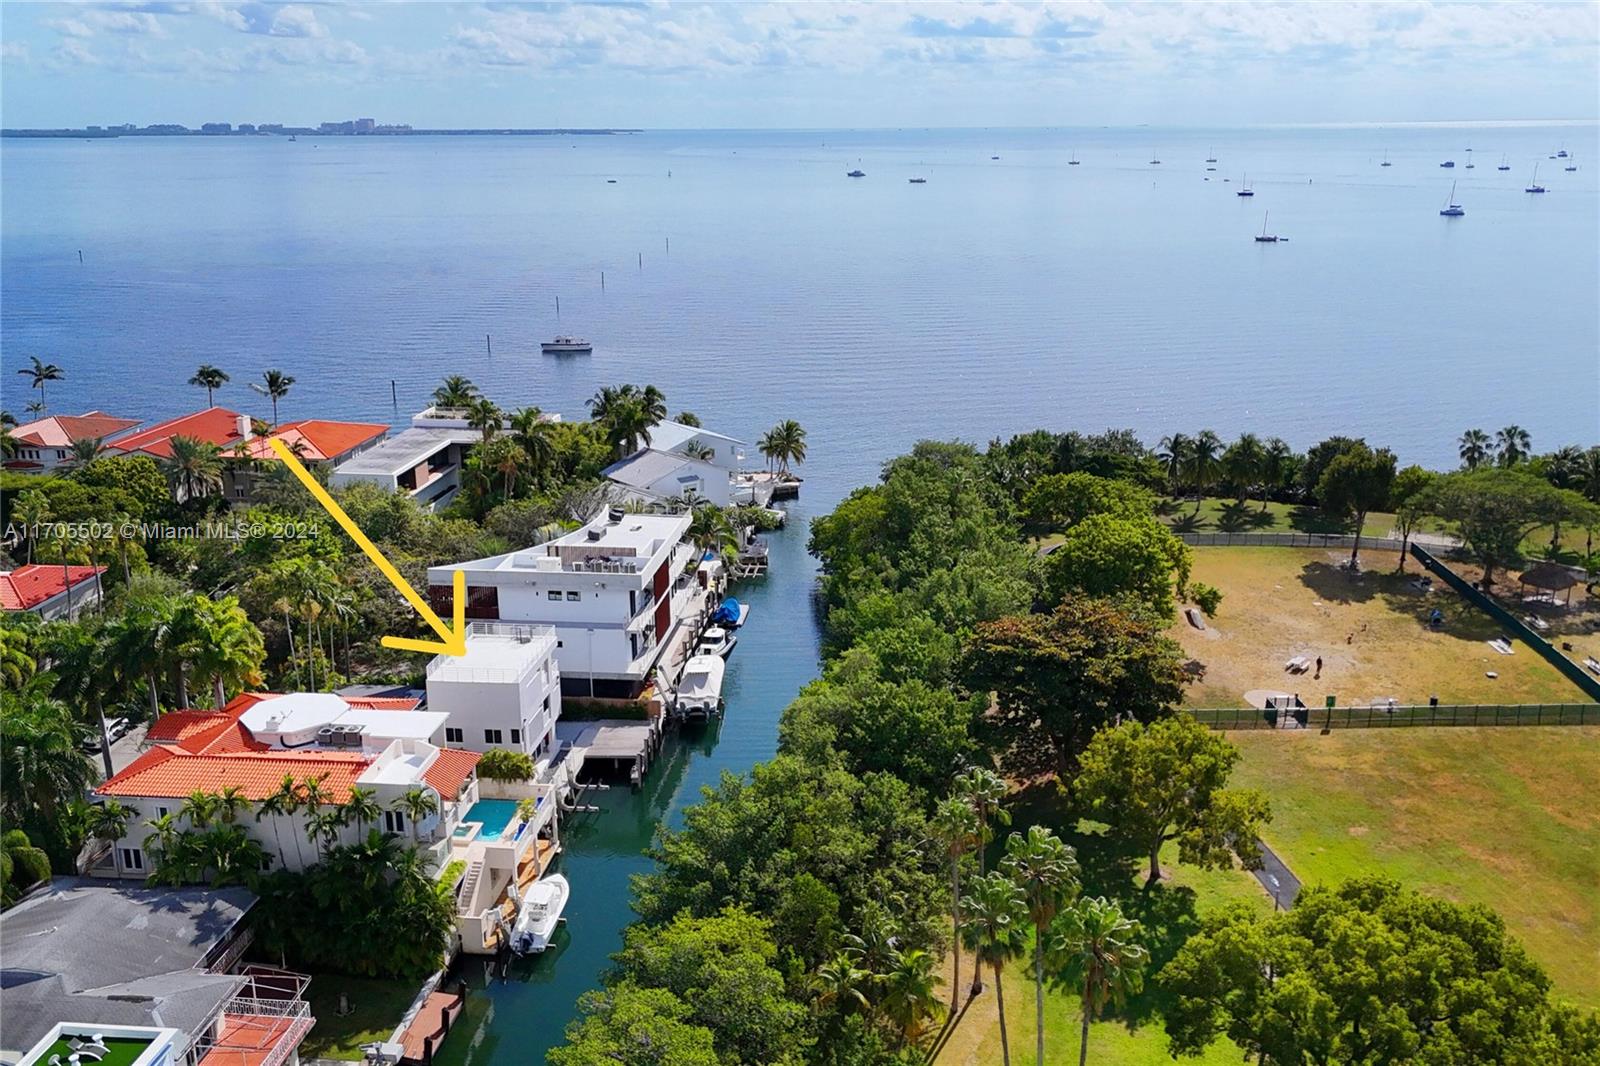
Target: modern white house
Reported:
[(260, 738), (505, 692), (651, 476), (614, 591)]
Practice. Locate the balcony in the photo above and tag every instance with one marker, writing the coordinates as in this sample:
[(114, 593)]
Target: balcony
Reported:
[(259, 1032)]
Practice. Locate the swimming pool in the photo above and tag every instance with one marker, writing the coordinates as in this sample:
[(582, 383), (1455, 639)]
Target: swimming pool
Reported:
[(493, 815)]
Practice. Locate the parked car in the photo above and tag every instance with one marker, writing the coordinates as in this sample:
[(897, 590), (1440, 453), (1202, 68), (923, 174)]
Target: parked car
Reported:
[(116, 729)]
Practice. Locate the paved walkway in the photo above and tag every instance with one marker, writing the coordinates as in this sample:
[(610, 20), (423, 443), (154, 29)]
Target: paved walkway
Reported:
[(1276, 877)]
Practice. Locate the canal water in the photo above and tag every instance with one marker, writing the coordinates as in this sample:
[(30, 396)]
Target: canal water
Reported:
[(513, 1021)]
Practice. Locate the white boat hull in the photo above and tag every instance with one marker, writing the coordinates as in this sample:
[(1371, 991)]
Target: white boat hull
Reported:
[(539, 915)]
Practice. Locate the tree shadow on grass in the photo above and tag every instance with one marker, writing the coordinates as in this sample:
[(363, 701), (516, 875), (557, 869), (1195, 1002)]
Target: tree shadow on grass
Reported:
[(1312, 520), (1237, 517), (1188, 522), (1337, 585), (1166, 506)]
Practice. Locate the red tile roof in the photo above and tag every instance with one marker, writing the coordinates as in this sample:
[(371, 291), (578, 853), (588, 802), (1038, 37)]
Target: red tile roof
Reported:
[(184, 727), (209, 731), (450, 771), (320, 440), (59, 431), (215, 425), (27, 587), (174, 773), (383, 703)]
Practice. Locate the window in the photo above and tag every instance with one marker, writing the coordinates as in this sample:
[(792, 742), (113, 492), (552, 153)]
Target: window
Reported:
[(394, 821), (453, 735), (573, 597), (238, 492), (491, 736), (516, 736), (162, 812), (132, 859), (553, 594)]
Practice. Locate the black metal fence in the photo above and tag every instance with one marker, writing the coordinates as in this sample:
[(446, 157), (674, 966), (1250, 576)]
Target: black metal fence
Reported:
[(1399, 717)]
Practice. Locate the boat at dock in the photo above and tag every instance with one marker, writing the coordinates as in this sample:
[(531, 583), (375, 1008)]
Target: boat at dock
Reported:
[(716, 641), (539, 914), (567, 346), (1448, 164), (700, 688), (730, 612)]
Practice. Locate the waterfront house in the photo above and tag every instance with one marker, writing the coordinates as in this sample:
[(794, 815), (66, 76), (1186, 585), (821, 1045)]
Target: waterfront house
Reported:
[(615, 591), (139, 976), (649, 476), (46, 443), (50, 590), (505, 692), (385, 746)]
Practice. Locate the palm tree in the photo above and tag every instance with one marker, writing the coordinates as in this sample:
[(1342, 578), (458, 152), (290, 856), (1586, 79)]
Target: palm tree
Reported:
[(995, 911), (163, 838), (837, 984), (456, 391), (605, 399), (1046, 871), (84, 451), (1513, 444), (1096, 951), (768, 446), (228, 650), (360, 808), (1204, 456), (485, 417), (787, 443), (984, 790), (654, 404), (955, 825), (277, 383), (199, 808), (39, 757), (1174, 454), (324, 827), (1242, 464), (108, 822), (211, 379), (40, 373), (532, 434), (628, 425), (194, 468), (417, 803), (711, 530), (502, 456), (280, 804), (1274, 467), (1473, 447), (908, 993)]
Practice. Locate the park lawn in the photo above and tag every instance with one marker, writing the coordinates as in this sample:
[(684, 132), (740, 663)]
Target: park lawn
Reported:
[(1225, 515), (1371, 631), (1501, 816), (378, 1004)]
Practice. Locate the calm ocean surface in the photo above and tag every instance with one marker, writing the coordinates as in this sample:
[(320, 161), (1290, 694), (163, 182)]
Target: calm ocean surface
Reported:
[(1002, 295)]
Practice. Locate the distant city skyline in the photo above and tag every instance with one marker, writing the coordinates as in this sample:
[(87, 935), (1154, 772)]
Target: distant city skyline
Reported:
[(692, 65)]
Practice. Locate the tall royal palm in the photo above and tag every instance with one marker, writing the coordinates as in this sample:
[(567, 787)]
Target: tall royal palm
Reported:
[(40, 374), (955, 827), (1473, 447), (1275, 456), (1096, 952), (211, 379), (277, 387), (995, 911), (1512, 445), (485, 417), (1046, 870), (1204, 461), (1174, 455)]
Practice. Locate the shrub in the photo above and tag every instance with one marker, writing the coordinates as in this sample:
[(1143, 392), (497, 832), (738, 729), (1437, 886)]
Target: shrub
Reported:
[(503, 764), (1207, 597)]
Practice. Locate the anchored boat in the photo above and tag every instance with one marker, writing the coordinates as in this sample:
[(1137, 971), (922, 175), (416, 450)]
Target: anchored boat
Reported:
[(537, 917), (1451, 208), (567, 346)]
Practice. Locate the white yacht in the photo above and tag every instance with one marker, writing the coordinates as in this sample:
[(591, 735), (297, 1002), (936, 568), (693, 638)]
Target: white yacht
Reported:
[(700, 688), (567, 346), (537, 917), (716, 641)]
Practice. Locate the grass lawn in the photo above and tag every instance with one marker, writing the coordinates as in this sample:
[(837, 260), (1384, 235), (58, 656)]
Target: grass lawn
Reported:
[(378, 1007), (1168, 915), (1505, 817), (1217, 515), (1371, 631)]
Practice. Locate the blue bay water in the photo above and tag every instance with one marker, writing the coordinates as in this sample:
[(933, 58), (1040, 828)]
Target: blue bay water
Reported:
[(1002, 295)]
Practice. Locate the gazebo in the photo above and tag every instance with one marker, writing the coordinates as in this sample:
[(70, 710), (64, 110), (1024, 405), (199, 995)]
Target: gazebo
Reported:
[(1549, 578)]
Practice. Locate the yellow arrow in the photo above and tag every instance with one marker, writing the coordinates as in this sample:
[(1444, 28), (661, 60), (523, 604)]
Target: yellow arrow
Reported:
[(452, 641)]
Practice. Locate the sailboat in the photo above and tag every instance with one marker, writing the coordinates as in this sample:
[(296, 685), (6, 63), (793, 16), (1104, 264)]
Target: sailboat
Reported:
[(1470, 164), (1535, 186), (1264, 237), (1073, 161), (1386, 162), (1451, 208), (1572, 164), (1503, 164), (1211, 155), (1153, 161), (1245, 190)]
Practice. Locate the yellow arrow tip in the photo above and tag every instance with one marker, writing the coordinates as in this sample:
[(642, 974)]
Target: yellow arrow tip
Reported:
[(456, 645)]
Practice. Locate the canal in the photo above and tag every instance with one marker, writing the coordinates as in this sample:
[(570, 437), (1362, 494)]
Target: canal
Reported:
[(514, 1021)]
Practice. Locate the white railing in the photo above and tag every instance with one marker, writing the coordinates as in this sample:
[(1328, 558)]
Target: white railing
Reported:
[(286, 1042), (225, 961)]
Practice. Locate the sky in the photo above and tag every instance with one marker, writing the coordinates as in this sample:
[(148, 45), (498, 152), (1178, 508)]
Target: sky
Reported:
[(796, 65)]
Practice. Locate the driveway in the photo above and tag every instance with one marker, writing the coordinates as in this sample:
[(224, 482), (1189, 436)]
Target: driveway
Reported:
[(123, 752)]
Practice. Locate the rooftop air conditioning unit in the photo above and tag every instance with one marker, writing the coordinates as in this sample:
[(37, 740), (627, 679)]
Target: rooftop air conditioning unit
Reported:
[(595, 534), (327, 736), (615, 515)]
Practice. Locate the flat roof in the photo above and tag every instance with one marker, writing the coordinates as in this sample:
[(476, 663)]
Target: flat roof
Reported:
[(102, 952), (495, 651), (405, 451), (635, 538), (638, 531)]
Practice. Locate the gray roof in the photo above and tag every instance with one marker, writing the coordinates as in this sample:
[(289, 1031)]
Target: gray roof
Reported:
[(644, 468), (668, 435), (94, 951), (405, 450)]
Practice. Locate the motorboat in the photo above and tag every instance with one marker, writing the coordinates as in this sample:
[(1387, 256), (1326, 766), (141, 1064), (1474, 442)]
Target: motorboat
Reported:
[(855, 173), (538, 915), (1211, 156), (716, 641), (1448, 164), (731, 613), (1561, 154), (700, 688), (1264, 237), (1451, 208), (918, 181), (567, 346)]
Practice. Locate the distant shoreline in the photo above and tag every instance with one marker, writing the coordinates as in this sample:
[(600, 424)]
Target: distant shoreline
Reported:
[(109, 134)]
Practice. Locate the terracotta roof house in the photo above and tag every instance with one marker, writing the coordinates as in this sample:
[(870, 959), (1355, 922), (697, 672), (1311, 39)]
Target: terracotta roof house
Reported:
[(46, 443), (49, 590)]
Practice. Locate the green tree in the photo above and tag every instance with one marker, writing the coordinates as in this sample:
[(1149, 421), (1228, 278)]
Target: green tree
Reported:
[(39, 375), (1276, 465), (955, 828), (1356, 481), (1409, 486), (785, 443), (360, 809), (1175, 453), (1046, 870), (1117, 555), (1096, 952), (211, 379), (532, 434), (284, 802), (222, 646), (1512, 445), (1061, 677), (417, 804), (1242, 465), (995, 910), (1368, 972), (504, 764), (909, 990), (1059, 501), (277, 387), (455, 392), (1168, 781), (1495, 509), (635, 1026), (194, 468), (1474, 447), (21, 866)]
